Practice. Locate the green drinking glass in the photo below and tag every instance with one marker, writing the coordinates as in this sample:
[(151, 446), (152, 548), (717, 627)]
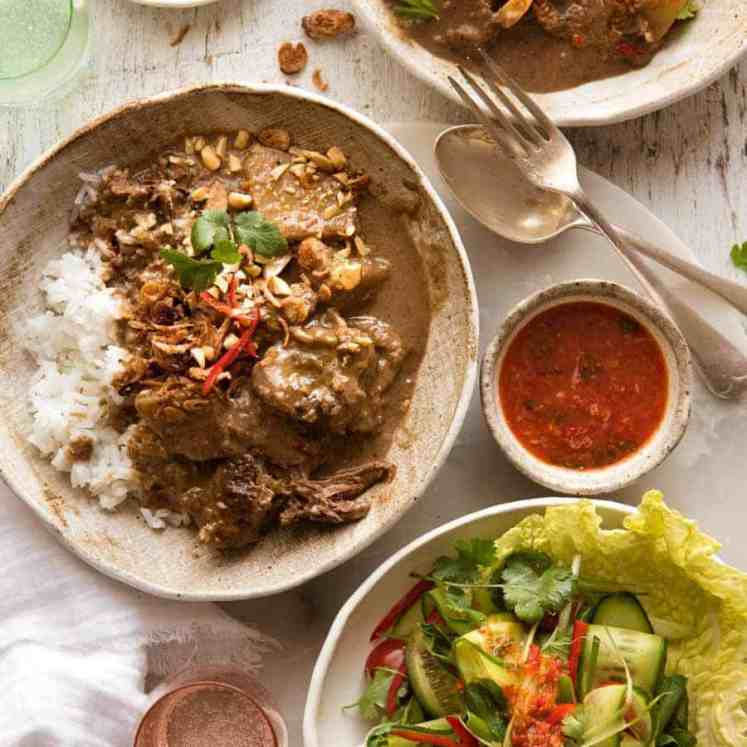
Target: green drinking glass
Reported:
[(43, 44)]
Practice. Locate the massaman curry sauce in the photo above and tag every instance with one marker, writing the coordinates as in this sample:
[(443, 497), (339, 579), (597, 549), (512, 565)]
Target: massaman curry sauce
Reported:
[(271, 394), (555, 45), (583, 385)]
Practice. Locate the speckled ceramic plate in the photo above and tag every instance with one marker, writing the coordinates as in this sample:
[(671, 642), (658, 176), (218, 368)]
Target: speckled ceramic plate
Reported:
[(34, 216), (697, 53)]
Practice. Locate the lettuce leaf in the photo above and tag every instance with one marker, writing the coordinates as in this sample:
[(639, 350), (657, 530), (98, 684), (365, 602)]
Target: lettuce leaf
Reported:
[(692, 598)]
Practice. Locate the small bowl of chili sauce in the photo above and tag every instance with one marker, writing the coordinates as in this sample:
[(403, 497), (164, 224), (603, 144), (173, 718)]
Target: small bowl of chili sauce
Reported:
[(586, 387)]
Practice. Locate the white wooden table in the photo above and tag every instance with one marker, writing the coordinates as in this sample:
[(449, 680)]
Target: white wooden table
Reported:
[(688, 164)]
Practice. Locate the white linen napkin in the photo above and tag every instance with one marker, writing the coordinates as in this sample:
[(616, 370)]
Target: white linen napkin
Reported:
[(78, 651)]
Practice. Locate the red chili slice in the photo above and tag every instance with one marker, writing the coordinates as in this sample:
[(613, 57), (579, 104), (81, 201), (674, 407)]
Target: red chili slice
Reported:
[(401, 607), (389, 654), (394, 686), (223, 308), (580, 629), (436, 740), (227, 359), (463, 736)]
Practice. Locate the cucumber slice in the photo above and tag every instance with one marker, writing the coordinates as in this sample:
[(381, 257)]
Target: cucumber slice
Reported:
[(408, 622), (603, 713), (622, 610), (434, 686), (490, 652), (645, 655)]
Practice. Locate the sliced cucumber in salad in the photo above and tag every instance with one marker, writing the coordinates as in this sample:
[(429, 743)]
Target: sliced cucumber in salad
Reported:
[(622, 610), (435, 687), (604, 715), (644, 654)]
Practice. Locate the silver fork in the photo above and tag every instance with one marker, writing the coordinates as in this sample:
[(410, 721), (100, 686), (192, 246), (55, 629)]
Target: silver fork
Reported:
[(534, 143)]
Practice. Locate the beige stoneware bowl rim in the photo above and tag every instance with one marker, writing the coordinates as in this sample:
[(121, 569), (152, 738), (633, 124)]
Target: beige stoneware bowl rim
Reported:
[(670, 431), (460, 411), (592, 110), (326, 655)]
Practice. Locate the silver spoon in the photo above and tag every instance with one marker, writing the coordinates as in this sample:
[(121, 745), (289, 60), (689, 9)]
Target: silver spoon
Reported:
[(491, 188)]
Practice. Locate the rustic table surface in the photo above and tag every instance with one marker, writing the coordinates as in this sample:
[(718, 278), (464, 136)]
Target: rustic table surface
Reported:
[(687, 164)]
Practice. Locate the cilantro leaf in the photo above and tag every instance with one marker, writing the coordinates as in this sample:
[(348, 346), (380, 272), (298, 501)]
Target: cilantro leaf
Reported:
[(471, 554), (224, 248), (688, 10), (260, 234), (372, 704), (739, 256), (531, 594), (193, 274), (480, 551), (205, 227)]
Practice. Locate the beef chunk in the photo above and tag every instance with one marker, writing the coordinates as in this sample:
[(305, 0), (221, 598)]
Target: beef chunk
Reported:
[(351, 281), (337, 499), (333, 373), (187, 424), (238, 505), (299, 207), (606, 24), (246, 496)]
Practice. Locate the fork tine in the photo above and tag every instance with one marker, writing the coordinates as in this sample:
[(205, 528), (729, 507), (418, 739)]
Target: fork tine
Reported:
[(527, 127), (506, 80), (505, 122), (488, 123)]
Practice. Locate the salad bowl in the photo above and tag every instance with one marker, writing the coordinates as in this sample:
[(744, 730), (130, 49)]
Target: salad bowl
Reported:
[(654, 552)]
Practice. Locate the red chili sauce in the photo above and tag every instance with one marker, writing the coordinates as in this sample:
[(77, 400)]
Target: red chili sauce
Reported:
[(583, 385)]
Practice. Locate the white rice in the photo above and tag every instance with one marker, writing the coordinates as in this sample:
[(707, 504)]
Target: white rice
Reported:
[(74, 343)]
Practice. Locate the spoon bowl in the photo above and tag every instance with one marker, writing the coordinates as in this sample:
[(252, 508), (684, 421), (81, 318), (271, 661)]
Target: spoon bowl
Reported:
[(494, 191)]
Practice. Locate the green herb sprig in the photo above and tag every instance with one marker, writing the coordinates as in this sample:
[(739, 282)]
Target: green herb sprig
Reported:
[(739, 256), (216, 232), (688, 10), (417, 10)]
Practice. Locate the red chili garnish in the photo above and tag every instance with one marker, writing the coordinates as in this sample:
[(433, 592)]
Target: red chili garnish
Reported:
[(244, 344), (423, 738), (580, 629), (214, 304), (232, 291), (578, 40), (394, 686), (559, 713), (401, 607), (389, 654), (463, 736)]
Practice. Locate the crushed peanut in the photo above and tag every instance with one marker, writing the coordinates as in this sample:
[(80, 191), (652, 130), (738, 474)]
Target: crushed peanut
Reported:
[(275, 137), (292, 58), (239, 200), (328, 23), (210, 158)]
